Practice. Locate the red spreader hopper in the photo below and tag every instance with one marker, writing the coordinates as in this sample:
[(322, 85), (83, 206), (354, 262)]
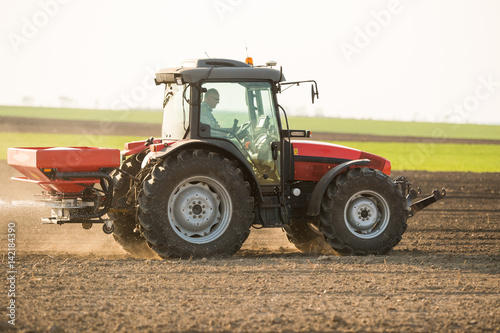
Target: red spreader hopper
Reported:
[(76, 180), (61, 170)]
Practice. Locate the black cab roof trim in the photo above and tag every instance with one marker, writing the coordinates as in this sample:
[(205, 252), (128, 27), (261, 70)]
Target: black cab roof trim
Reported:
[(217, 69)]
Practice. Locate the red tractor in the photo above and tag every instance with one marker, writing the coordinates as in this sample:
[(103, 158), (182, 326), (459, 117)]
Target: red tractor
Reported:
[(226, 161)]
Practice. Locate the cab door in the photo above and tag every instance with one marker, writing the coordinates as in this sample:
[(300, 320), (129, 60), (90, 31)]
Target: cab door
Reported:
[(245, 115)]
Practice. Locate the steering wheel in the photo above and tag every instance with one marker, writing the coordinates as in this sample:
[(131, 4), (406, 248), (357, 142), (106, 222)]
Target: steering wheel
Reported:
[(243, 129), (240, 133)]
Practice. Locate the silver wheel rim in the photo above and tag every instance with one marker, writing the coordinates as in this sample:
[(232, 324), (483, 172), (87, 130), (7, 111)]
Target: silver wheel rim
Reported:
[(366, 214), (199, 210)]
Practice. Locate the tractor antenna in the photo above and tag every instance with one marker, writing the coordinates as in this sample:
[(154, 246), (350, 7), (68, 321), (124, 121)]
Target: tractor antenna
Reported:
[(207, 55)]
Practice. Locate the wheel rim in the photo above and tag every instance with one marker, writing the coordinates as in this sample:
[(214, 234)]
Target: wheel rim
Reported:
[(199, 210), (366, 214)]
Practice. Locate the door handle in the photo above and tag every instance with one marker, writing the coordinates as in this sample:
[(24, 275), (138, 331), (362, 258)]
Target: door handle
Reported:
[(274, 150)]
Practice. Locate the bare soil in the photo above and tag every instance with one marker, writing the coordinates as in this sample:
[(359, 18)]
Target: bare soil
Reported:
[(444, 276)]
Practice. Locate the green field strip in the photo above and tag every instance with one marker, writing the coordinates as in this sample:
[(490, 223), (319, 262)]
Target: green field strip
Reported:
[(434, 156), (438, 131), (403, 156), (128, 116), (61, 140)]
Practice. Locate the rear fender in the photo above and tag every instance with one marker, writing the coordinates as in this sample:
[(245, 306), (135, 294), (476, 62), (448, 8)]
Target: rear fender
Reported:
[(221, 147), (318, 192), (136, 147)]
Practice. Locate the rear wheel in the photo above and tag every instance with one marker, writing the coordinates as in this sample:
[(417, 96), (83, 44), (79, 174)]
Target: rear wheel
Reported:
[(125, 225), (307, 237), (195, 204), (363, 212)]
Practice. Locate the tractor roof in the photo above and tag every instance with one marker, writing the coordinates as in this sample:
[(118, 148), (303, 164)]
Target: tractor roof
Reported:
[(193, 71)]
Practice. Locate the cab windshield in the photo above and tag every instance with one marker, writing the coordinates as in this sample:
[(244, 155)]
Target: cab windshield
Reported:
[(244, 113)]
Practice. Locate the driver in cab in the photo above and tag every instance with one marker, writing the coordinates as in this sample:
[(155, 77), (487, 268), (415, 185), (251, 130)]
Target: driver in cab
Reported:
[(209, 103)]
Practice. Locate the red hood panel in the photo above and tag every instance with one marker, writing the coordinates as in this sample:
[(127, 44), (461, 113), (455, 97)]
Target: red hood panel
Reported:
[(313, 159), (323, 149)]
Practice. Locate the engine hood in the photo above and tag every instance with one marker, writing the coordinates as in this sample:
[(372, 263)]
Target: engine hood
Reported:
[(312, 159)]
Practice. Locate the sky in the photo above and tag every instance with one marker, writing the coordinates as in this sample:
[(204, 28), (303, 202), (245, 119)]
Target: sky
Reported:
[(410, 60)]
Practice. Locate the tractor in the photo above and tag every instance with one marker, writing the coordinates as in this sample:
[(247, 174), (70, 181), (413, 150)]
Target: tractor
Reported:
[(226, 161)]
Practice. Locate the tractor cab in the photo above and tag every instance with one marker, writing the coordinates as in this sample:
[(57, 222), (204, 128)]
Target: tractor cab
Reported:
[(225, 102)]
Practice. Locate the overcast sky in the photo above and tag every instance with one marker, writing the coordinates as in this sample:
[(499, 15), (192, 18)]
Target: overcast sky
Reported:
[(424, 60)]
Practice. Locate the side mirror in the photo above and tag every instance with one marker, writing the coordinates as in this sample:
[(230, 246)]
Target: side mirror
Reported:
[(314, 93), (314, 87)]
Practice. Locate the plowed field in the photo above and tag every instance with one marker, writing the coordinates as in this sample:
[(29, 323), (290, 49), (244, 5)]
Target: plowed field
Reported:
[(443, 276)]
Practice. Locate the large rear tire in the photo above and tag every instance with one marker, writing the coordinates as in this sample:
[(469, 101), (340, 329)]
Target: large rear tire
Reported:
[(125, 225), (195, 204), (363, 212), (307, 237)]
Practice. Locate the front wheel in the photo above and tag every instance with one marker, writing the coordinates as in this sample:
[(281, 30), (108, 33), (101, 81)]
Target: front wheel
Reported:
[(195, 204), (363, 212)]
